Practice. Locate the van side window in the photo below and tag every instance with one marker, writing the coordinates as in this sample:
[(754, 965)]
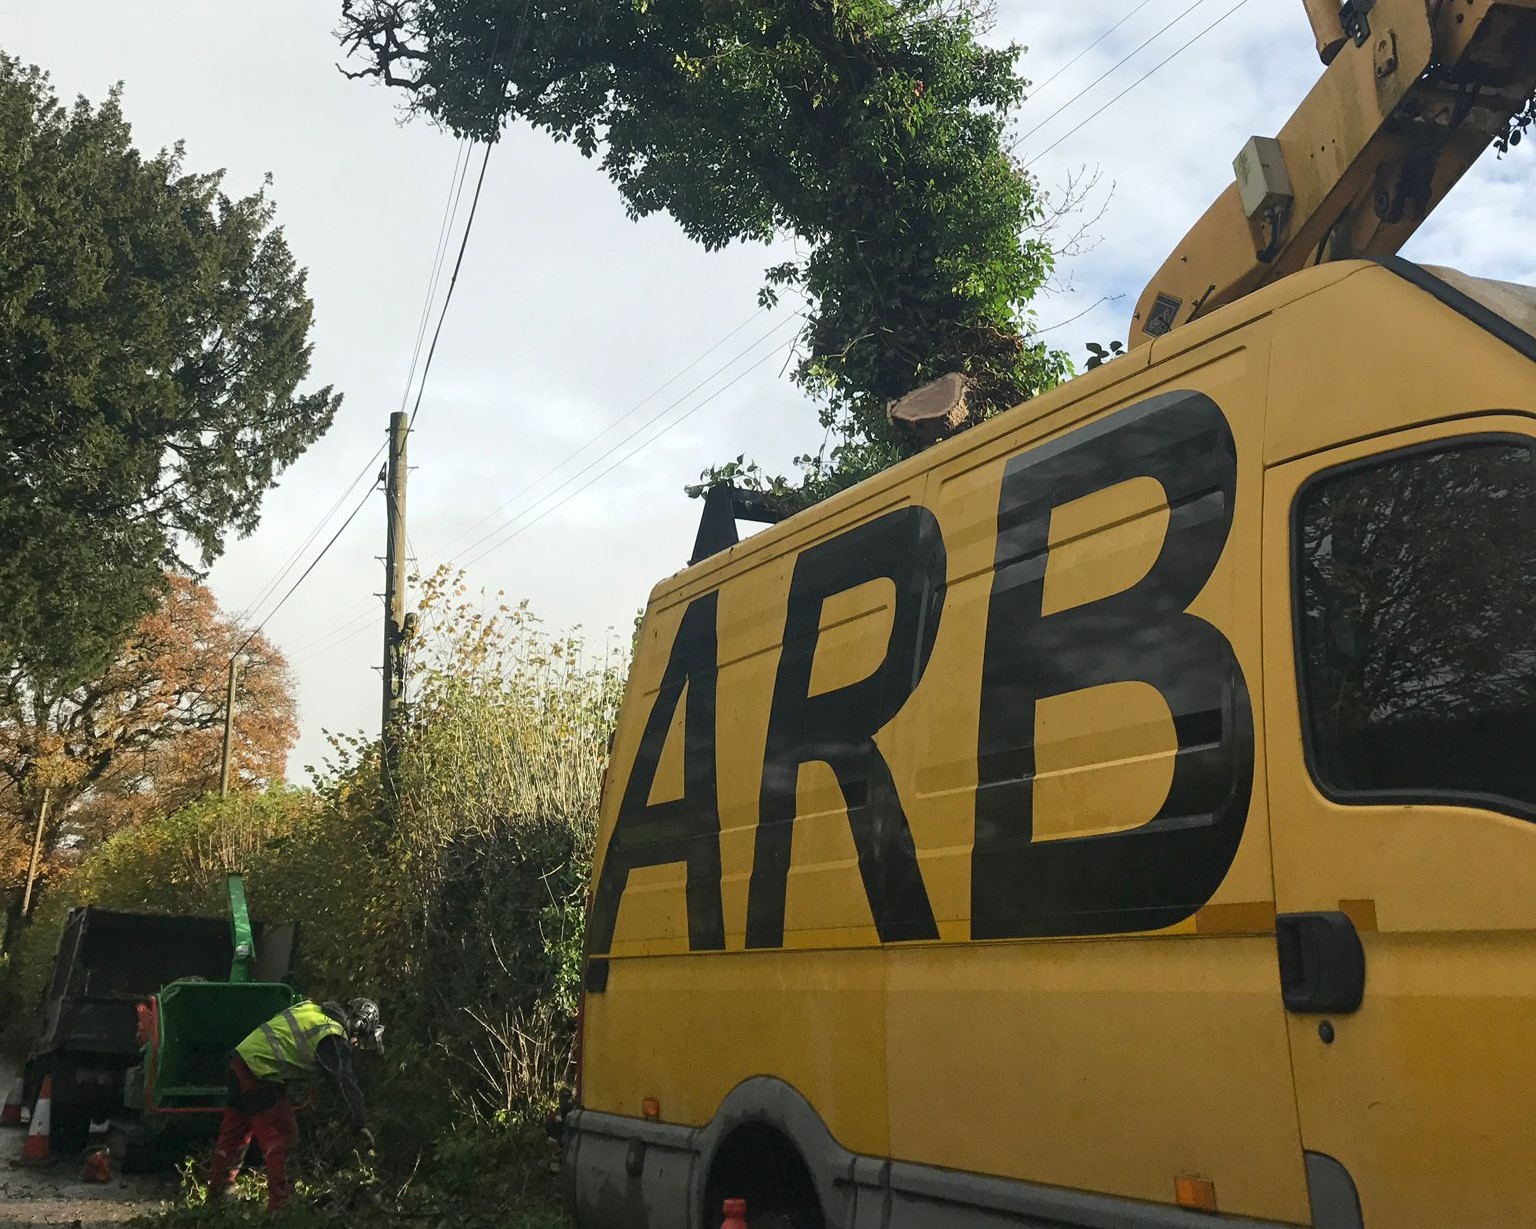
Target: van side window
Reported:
[(1417, 623)]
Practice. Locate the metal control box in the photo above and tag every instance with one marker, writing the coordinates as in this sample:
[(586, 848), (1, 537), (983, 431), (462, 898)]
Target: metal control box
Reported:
[(1263, 183)]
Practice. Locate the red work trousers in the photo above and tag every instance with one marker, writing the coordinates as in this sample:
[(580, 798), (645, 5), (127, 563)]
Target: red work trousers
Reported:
[(257, 1108)]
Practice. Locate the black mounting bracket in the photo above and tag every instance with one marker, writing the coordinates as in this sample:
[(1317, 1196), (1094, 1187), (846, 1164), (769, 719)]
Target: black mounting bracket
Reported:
[(723, 507), (1354, 16)]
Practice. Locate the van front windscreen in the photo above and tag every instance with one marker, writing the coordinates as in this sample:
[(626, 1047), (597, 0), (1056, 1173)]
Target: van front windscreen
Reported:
[(1417, 620)]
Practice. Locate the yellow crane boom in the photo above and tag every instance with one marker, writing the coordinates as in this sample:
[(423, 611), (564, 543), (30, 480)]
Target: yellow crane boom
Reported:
[(1414, 92)]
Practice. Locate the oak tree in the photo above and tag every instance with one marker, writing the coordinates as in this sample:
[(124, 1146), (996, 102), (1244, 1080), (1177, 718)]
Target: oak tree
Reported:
[(154, 335)]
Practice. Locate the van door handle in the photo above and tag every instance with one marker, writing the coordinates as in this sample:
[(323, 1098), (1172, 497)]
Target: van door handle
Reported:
[(1322, 964)]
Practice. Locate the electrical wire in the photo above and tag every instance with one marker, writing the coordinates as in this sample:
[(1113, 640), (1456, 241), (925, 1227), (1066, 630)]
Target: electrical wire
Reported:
[(313, 564), (1017, 141), (1044, 84), (651, 421), (461, 165), (469, 224), (627, 457), (634, 409), (450, 211), (445, 228), (303, 652), (336, 637), (1150, 72), (453, 282), (340, 636), (293, 558), (1061, 324)]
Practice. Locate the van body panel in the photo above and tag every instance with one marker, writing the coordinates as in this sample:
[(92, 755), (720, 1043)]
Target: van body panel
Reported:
[(1370, 356), (704, 1014), (963, 805), (979, 1084)]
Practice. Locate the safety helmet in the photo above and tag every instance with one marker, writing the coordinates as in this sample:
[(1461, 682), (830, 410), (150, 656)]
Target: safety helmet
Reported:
[(362, 1020)]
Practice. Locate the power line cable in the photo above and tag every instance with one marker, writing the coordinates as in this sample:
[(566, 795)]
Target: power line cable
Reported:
[(1150, 72), (1044, 84), (651, 421), (336, 636), (323, 643), (455, 194), (1017, 141), (1061, 324), (453, 282), (303, 651), (313, 564), (297, 553), (450, 211), (571, 456), (627, 457), (202, 693), (474, 205), (445, 228)]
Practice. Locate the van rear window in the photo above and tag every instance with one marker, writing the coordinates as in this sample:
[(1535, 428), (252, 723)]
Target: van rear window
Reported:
[(1417, 623)]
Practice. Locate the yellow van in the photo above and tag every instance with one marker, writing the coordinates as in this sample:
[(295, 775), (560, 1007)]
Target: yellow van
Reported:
[(1119, 815)]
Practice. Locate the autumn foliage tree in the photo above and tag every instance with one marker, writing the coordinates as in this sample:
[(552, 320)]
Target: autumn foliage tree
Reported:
[(145, 736)]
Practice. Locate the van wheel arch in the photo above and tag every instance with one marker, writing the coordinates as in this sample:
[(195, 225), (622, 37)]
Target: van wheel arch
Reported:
[(767, 1140)]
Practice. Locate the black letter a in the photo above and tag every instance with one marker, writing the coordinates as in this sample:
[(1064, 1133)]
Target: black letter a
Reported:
[(686, 829)]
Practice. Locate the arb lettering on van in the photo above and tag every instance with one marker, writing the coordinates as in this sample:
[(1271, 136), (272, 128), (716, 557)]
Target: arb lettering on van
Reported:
[(686, 829), (839, 727), (1158, 874), (1141, 878)]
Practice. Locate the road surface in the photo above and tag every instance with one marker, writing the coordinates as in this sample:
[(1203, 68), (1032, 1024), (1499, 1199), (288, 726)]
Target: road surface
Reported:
[(56, 1196)]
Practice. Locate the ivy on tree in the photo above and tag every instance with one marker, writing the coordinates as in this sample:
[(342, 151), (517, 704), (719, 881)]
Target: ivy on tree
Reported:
[(868, 130), (154, 333)]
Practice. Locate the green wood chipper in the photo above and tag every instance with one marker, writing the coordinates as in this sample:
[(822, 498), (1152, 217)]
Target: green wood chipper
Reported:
[(187, 1030)]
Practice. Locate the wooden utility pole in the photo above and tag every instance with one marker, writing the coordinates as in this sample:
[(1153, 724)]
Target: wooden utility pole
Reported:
[(37, 854), (229, 726), (394, 584)]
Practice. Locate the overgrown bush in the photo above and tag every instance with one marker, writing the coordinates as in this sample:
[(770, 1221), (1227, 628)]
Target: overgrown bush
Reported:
[(448, 883), (175, 864)]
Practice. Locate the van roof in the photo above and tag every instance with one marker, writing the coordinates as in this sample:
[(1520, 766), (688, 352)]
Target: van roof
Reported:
[(1198, 332)]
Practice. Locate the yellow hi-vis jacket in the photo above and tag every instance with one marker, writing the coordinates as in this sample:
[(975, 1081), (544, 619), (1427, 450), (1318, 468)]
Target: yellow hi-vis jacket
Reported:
[(283, 1049)]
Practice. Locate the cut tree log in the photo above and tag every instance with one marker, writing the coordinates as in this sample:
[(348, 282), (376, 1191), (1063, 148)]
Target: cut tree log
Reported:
[(935, 411)]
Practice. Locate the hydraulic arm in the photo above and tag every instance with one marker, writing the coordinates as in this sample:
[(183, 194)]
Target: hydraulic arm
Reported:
[(1413, 94)]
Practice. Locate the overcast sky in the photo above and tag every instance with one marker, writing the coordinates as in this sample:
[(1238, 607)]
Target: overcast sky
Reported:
[(568, 315)]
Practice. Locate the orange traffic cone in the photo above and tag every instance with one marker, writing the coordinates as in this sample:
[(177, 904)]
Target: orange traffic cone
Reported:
[(35, 1150), (10, 1112), (735, 1214), (98, 1166)]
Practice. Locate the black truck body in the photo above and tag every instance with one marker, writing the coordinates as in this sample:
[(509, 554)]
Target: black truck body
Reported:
[(107, 963)]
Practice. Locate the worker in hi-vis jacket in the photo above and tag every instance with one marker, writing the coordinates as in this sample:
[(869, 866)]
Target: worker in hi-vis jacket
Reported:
[(289, 1049)]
